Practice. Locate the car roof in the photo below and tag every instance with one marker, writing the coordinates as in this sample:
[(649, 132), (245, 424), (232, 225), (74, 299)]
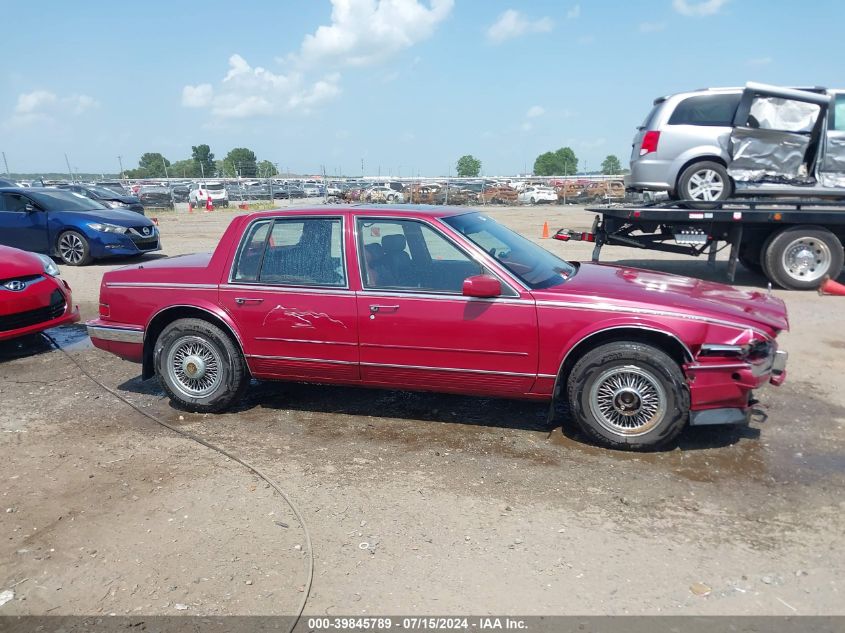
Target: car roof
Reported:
[(403, 211)]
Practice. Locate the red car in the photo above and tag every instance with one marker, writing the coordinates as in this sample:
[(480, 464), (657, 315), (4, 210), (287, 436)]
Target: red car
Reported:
[(32, 296), (445, 300)]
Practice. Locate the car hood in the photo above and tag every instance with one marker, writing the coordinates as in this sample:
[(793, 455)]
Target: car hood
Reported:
[(112, 216), (17, 263), (124, 199), (637, 288)]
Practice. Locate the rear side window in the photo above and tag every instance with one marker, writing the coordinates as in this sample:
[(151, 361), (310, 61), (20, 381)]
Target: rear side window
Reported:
[(706, 110), (839, 113)]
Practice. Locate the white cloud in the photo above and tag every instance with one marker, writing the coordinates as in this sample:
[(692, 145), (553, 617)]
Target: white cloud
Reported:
[(364, 32), (513, 24), (759, 61), (652, 27), (44, 106), (535, 111), (574, 12), (527, 126), (361, 32), (698, 8), (197, 96)]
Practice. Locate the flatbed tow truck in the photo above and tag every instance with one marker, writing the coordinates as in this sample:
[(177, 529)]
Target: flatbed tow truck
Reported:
[(795, 244)]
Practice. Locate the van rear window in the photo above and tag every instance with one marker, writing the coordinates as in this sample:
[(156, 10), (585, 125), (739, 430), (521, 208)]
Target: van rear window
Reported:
[(716, 109)]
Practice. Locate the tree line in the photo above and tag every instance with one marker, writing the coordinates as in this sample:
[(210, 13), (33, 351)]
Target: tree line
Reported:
[(561, 162), (240, 161)]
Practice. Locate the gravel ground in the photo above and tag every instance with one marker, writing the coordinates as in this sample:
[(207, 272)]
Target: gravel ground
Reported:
[(416, 503)]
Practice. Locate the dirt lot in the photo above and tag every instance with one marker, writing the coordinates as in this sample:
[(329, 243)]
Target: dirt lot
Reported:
[(416, 503)]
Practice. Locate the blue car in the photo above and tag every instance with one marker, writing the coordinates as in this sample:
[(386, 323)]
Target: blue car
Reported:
[(72, 227)]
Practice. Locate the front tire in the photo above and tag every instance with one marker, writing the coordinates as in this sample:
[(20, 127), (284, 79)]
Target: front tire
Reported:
[(799, 258), (704, 183), (199, 366), (629, 395), (73, 249)]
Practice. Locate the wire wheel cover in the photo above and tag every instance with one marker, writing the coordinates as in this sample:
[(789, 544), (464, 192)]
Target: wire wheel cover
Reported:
[(628, 400), (194, 366)]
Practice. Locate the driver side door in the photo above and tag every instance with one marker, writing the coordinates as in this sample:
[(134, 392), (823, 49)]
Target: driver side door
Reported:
[(23, 225), (416, 328)]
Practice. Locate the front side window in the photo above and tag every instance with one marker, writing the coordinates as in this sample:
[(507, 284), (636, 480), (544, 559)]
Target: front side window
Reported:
[(783, 115), (717, 109), (535, 266), (13, 202), (410, 255), (839, 113), (293, 252)]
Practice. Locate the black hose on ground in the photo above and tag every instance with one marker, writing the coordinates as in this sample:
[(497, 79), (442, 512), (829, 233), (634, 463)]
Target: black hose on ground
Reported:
[(225, 453)]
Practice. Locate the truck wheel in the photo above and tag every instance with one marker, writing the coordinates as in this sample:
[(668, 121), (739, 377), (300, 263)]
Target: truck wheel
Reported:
[(629, 395), (798, 258), (704, 183), (199, 366)]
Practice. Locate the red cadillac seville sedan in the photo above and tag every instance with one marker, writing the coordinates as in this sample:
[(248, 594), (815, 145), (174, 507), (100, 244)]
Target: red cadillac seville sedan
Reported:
[(448, 300), (32, 296)]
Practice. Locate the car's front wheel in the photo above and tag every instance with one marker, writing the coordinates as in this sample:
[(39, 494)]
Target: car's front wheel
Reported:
[(704, 183), (73, 248), (200, 366), (628, 395)]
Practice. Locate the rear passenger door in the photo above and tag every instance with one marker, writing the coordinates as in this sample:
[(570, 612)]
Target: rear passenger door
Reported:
[(777, 135), (288, 292), (831, 171)]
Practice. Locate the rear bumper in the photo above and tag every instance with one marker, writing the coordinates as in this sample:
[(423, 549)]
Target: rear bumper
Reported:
[(121, 340), (650, 174)]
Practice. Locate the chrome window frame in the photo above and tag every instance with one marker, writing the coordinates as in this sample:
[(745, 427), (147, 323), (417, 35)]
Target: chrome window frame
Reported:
[(508, 290), (292, 218)]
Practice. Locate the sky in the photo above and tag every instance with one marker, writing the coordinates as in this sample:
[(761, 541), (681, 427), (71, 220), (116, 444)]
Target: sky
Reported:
[(405, 87)]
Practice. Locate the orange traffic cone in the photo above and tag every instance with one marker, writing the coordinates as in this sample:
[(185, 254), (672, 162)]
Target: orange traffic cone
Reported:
[(830, 287), (545, 234), (209, 204), (190, 207)]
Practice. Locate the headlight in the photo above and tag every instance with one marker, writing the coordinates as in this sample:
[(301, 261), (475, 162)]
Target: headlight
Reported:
[(106, 228), (114, 204), (50, 267)]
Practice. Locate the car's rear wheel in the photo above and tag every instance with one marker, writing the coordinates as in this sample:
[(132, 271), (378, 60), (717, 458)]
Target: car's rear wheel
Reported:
[(200, 366), (73, 248), (800, 257), (628, 395), (704, 183)]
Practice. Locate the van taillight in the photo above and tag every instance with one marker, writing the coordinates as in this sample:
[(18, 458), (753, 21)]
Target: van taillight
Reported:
[(650, 141)]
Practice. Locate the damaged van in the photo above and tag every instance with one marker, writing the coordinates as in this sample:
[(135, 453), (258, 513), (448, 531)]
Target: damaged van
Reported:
[(718, 143)]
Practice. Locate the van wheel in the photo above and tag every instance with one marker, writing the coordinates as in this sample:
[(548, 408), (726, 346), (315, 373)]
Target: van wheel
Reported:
[(703, 183), (629, 395), (798, 258), (199, 366)]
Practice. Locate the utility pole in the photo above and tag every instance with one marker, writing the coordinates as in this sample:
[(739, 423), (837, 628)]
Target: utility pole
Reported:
[(120, 161), (362, 168), (69, 171), (6, 163)]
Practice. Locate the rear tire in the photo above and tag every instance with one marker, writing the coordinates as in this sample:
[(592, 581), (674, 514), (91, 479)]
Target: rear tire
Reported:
[(629, 396), (704, 184), (799, 258), (199, 366)]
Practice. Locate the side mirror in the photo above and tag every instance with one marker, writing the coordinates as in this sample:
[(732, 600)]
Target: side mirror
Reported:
[(482, 286), (29, 208)]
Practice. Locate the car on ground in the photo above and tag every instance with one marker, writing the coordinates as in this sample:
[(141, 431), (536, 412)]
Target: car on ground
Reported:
[(156, 196), (312, 189), (202, 191), (33, 297), (536, 194), (713, 144), (71, 226), (180, 191), (442, 299), (105, 196), (383, 194), (114, 185)]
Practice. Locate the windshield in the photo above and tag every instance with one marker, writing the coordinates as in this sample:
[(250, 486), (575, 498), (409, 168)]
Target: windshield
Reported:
[(212, 186), (535, 266), (103, 192), (64, 201)]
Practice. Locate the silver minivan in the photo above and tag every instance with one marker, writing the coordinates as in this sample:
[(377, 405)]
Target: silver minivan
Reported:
[(718, 143)]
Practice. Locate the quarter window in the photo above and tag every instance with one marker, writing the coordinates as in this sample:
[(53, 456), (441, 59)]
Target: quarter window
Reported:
[(295, 252), (409, 255), (715, 110)]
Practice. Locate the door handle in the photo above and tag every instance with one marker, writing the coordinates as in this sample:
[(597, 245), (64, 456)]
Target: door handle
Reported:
[(241, 301), (378, 308)]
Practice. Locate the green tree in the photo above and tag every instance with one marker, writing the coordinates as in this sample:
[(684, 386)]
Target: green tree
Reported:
[(468, 165), (203, 159), (243, 160), (151, 165), (562, 162), (611, 165), (266, 169), (187, 168)]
